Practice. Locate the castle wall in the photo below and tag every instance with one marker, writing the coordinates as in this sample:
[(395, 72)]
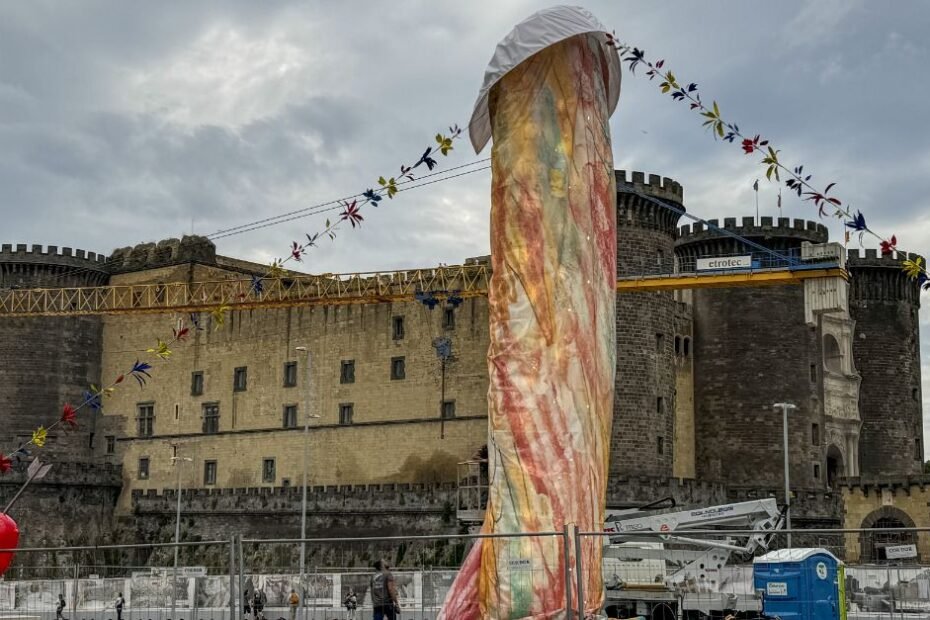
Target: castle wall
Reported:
[(752, 349), (48, 361), (886, 348), (644, 401), (395, 433), (72, 505)]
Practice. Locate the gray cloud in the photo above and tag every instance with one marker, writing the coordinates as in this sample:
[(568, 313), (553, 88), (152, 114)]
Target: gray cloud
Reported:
[(123, 122)]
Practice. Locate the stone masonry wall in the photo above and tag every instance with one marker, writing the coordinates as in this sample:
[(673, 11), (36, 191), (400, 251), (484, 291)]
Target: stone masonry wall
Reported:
[(752, 348), (48, 361), (395, 433), (644, 401), (886, 349)]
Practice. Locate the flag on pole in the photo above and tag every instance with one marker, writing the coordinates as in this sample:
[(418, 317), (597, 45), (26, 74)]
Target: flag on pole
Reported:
[(779, 201), (755, 186)]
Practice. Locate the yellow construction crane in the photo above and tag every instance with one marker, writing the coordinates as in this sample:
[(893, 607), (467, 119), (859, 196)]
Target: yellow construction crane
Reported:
[(463, 281)]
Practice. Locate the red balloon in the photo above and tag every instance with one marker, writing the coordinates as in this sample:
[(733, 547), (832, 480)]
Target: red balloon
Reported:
[(9, 539)]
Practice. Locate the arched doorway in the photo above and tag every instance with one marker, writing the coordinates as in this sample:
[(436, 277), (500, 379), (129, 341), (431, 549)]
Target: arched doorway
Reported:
[(873, 544), (835, 466)]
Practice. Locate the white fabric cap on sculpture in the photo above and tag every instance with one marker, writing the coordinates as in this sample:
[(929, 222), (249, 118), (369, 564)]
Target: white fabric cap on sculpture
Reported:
[(535, 33)]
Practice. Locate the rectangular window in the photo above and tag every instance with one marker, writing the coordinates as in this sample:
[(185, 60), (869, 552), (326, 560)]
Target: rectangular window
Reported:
[(397, 327), (660, 257), (448, 409), (660, 343), (211, 418), (398, 368), (918, 453), (146, 419), (816, 471), (240, 379), (660, 404), (268, 472), (290, 374), (111, 444), (448, 318), (197, 383), (144, 468), (290, 416), (815, 434), (347, 371), (346, 411), (813, 373), (209, 473), (660, 445)]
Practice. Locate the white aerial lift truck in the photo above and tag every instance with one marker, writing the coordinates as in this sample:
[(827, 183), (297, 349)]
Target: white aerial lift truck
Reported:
[(654, 569)]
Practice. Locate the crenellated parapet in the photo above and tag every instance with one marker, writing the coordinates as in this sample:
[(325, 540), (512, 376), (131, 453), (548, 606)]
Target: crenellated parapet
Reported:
[(190, 248), (881, 278), (635, 211), (34, 266), (782, 234)]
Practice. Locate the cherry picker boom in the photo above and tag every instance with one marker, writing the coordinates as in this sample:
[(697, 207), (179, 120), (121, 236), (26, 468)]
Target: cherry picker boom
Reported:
[(653, 568)]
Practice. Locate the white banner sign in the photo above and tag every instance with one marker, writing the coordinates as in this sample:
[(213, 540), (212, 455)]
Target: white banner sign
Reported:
[(900, 552), (724, 262)]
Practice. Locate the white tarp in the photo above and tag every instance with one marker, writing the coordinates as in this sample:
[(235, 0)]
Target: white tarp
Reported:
[(535, 33)]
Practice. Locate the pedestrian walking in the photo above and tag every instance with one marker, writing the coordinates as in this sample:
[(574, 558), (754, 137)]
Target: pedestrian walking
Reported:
[(258, 604), (119, 606), (293, 600), (350, 602), (384, 592), (60, 608)]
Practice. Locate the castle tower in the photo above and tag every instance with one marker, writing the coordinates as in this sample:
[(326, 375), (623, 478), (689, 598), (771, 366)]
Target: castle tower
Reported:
[(53, 358), (644, 401), (884, 303), (751, 349)]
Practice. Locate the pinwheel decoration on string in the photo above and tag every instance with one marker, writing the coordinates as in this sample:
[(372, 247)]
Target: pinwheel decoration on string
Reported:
[(351, 208), (795, 178)]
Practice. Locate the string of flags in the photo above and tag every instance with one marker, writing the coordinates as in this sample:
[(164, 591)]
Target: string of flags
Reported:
[(182, 329), (795, 177)]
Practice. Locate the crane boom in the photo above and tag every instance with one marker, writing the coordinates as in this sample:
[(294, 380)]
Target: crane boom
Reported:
[(463, 281)]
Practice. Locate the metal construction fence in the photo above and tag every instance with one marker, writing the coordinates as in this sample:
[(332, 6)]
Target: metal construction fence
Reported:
[(216, 580)]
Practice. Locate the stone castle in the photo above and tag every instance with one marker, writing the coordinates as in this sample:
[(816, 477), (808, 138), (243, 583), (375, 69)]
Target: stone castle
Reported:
[(698, 373)]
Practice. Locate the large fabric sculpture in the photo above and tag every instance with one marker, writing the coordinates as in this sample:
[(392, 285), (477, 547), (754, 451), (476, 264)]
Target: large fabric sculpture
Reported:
[(548, 95)]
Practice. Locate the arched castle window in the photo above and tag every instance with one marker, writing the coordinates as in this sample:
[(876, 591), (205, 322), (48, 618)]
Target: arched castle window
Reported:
[(832, 356), (677, 345), (686, 347)]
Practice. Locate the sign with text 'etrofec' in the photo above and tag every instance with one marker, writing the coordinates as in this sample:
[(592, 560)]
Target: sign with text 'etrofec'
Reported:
[(724, 262)]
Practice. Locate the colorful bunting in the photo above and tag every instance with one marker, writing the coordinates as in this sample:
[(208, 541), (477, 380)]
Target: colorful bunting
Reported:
[(795, 179)]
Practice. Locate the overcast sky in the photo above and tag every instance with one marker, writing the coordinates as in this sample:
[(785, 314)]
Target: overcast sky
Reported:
[(125, 122)]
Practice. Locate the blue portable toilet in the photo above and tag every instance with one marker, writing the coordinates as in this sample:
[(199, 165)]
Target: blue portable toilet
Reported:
[(801, 584)]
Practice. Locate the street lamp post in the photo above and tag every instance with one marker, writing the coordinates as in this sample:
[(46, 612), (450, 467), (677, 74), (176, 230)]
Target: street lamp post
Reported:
[(303, 501), (785, 408), (177, 536)]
